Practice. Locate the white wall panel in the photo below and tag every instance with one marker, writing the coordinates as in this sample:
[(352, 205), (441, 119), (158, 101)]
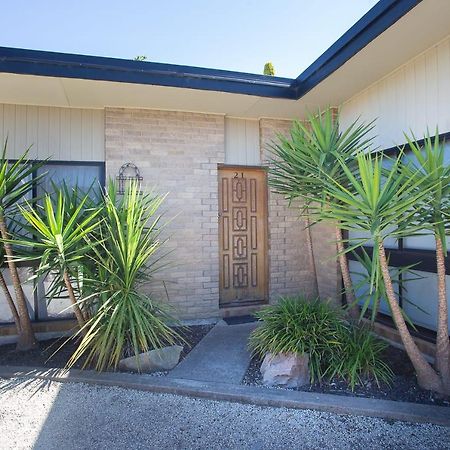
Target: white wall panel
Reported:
[(242, 142), (68, 134), (414, 97)]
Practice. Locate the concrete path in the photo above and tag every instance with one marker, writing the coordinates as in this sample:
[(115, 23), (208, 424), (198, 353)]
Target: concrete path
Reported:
[(221, 356)]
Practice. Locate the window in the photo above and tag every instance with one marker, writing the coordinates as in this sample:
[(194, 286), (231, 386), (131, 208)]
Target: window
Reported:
[(83, 174), (418, 297), (72, 173)]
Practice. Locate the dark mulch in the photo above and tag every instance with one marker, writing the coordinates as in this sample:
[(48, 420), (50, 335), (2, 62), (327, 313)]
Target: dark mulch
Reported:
[(404, 386), (44, 354)]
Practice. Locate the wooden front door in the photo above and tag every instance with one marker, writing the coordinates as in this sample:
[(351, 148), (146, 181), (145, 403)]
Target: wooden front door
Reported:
[(242, 235)]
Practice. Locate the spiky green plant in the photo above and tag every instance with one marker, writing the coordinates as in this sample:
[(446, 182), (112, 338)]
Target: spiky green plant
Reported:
[(59, 239), (360, 358), (296, 325), (126, 321), (429, 167), (370, 200), (17, 179), (303, 161), (371, 294)]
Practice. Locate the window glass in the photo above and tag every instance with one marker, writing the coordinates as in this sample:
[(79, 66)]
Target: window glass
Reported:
[(82, 175), (28, 289), (425, 241), (423, 293)]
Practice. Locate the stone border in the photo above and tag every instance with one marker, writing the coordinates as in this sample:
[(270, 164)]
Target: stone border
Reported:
[(260, 396)]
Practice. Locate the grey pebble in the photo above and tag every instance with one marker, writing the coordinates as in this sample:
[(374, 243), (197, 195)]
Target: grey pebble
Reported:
[(73, 416)]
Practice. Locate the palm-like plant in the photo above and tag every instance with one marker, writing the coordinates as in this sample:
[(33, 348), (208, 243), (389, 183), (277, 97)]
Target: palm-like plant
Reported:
[(371, 199), (60, 241), (126, 321), (302, 162), (16, 181), (434, 176), (7, 293), (372, 291)]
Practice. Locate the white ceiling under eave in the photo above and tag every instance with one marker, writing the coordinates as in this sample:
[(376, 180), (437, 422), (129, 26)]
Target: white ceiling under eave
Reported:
[(421, 28), (77, 93)]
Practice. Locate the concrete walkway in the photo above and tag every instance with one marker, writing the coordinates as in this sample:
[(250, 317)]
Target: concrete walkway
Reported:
[(221, 356)]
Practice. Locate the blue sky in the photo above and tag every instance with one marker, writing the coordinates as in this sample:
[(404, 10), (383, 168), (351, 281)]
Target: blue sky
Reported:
[(233, 35)]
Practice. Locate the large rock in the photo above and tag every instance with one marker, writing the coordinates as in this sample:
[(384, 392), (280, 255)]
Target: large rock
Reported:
[(285, 369), (165, 358)]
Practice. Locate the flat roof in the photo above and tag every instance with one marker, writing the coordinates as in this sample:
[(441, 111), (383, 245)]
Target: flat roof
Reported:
[(64, 65)]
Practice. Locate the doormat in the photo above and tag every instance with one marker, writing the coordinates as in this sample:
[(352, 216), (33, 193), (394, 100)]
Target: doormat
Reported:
[(239, 319)]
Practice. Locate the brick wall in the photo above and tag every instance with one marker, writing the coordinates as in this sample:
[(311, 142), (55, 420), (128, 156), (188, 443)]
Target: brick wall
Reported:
[(178, 153), (289, 260)]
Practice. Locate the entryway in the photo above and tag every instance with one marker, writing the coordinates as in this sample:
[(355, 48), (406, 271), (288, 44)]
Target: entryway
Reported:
[(242, 235)]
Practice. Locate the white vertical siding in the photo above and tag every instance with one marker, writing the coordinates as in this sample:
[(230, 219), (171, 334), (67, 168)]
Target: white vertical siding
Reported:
[(68, 134), (242, 142), (414, 97)]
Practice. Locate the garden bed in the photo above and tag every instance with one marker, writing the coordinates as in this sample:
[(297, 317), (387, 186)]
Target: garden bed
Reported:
[(44, 355), (403, 388)]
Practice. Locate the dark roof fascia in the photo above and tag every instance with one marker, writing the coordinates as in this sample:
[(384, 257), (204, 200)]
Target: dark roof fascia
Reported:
[(377, 20), (66, 65), (36, 62)]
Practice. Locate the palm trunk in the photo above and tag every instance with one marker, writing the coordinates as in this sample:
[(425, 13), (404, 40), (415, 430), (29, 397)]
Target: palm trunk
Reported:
[(426, 376), (26, 338), (346, 278), (312, 259), (442, 342), (77, 310), (10, 302)]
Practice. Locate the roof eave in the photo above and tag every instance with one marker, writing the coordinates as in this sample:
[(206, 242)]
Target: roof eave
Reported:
[(377, 20), (53, 64)]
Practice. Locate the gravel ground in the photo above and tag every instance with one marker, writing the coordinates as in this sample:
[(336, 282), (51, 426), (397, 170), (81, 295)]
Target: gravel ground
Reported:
[(76, 416)]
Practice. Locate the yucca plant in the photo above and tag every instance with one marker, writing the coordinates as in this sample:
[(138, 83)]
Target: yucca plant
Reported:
[(429, 168), (126, 321), (7, 293), (360, 358), (16, 181), (60, 241), (371, 199), (302, 162), (297, 325), (370, 294), (90, 200)]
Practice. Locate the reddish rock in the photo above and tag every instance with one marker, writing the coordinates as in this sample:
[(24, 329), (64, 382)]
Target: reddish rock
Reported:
[(285, 369)]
